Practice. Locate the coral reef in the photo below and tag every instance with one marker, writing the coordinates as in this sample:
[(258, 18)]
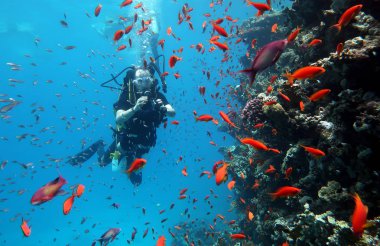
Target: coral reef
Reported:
[(345, 125)]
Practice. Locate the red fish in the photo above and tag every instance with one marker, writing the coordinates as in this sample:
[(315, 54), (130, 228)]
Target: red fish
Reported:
[(79, 191), (288, 172), (220, 30), (261, 7), (285, 97), (285, 191), (238, 236), (314, 152), (161, 241), (26, 230), (221, 174), (319, 94), (118, 34), (231, 184), (254, 143), (126, 3), (137, 164), (97, 9), (271, 169), (48, 191), (302, 106), (227, 119), (175, 122), (314, 42), (204, 117), (128, 29), (173, 60), (347, 16), (293, 35), (68, 204), (339, 49), (304, 73), (274, 27), (359, 217), (221, 46), (121, 47)]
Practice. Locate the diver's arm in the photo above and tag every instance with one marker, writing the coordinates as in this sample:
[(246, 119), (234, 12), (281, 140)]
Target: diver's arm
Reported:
[(170, 110), (124, 115)]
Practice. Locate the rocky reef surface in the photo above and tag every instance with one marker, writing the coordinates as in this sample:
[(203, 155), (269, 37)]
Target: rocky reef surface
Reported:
[(345, 124)]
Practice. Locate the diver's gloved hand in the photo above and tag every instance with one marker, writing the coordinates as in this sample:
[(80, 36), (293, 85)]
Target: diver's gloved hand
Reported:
[(140, 103), (161, 106)]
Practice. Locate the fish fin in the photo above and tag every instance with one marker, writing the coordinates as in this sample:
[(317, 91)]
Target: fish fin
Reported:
[(251, 74), (337, 27), (61, 193), (290, 78)]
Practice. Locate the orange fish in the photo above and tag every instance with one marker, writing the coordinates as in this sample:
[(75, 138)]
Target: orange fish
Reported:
[(269, 89), (319, 94), (184, 171), (176, 75), (68, 204), (314, 42), (359, 217), (118, 34), (285, 97), (256, 184), (125, 3), (97, 9), (288, 172), (128, 29), (173, 60), (314, 152), (161, 43), (254, 143), (238, 236), (339, 49), (169, 31), (293, 35), (221, 46), (227, 119), (121, 47), (347, 16), (261, 7), (285, 191), (220, 30), (175, 122), (79, 191), (221, 174), (274, 27), (136, 165), (161, 241), (231, 184), (302, 106), (26, 230), (204, 117), (250, 216), (308, 72), (137, 6), (271, 169)]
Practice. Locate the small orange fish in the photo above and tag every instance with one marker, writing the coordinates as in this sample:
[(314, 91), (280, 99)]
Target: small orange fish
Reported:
[(136, 165), (118, 34), (269, 89), (121, 47), (137, 6), (184, 171), (204, 117), (285, 97), (161, 241), (293, 35), (97, 9), (271, 169), (231, 184), (175, 122), (177, 75), (125, 3), (256, 185), (26, 230), (302, 106), (347, 16), (261, 7), (315, 42), (308, 72), (68, 204), (221, 174), (173, 60), (285, 191), (339, 49), (128, 29), (169, 31), (255, 143), (288, 172), (314, 152), (250, 216), (238, 236), (227, 119), (319, 94), (79, 191), (220, 30), (221, 46), (359, 217), (274, 27)]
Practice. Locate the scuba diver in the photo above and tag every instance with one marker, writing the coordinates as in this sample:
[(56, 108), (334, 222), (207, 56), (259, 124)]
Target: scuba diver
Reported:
[(140, 109)]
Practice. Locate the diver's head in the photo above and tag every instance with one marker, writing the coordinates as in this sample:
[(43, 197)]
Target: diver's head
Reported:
[(143, 80)]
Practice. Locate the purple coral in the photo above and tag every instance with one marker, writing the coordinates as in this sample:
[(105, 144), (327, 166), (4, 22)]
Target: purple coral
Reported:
[(252, 112)]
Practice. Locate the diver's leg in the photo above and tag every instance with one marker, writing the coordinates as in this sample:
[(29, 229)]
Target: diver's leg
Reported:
[(105, 158), (86, 154)]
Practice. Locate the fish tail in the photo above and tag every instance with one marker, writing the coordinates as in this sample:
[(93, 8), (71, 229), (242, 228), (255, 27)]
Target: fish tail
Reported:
[(251, 74), (338, 27), (273, 196), (289, 77)]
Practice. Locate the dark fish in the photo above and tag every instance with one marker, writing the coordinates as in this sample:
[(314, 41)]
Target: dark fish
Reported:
[(107, 237), (9, 107)]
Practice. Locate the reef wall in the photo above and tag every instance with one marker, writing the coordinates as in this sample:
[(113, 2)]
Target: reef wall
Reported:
[(345, 124)]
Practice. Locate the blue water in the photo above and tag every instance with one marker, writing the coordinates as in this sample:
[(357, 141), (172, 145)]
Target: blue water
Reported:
[(64, 96)]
